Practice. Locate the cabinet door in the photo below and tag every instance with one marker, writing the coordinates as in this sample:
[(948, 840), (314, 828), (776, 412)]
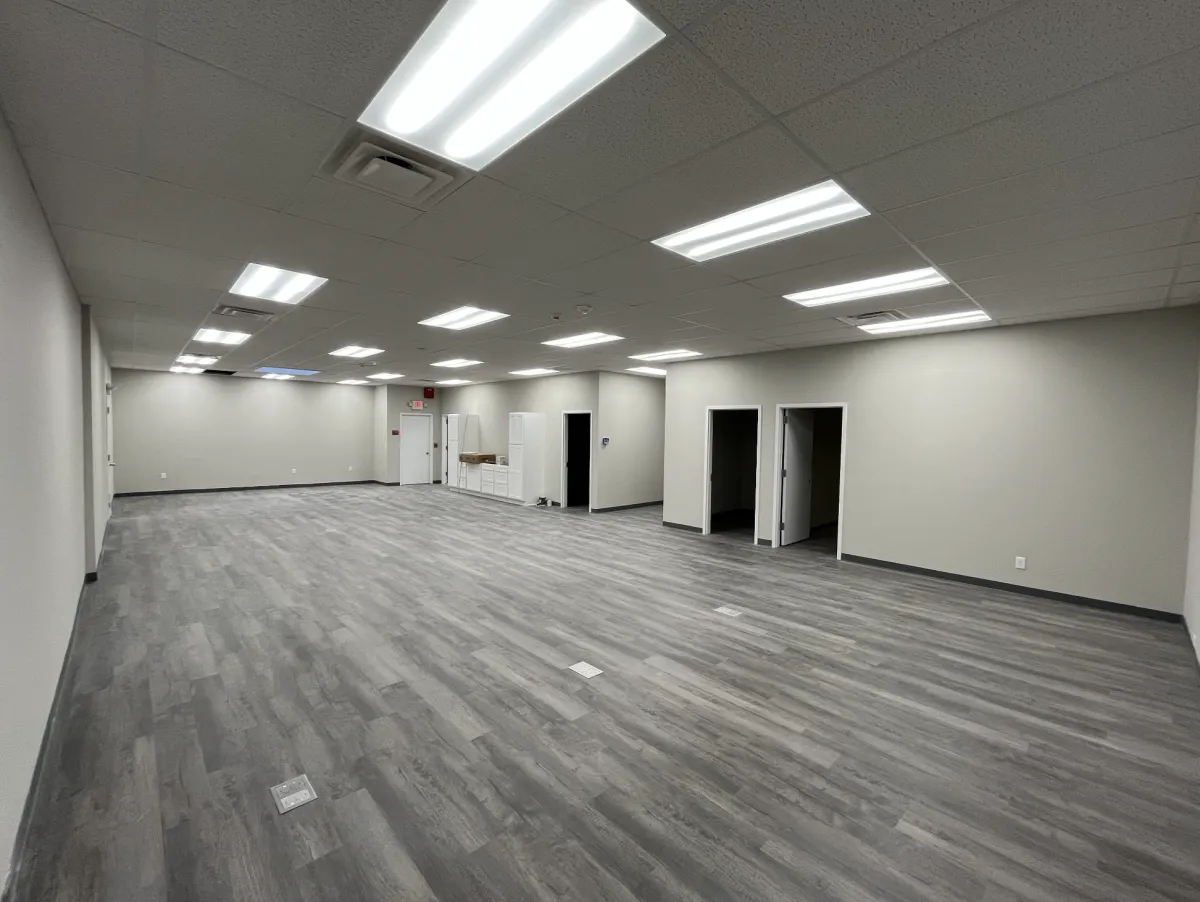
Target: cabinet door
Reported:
[(516, 485), (516, 457), (516, 429)]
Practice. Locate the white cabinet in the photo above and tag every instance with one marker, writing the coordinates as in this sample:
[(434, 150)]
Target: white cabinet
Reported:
[(462, 435), (474, 477), (526, 454)]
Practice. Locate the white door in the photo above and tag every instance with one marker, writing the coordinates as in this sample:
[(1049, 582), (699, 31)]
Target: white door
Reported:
[(108, 444), (796, 515), (416, 459), (445, 450)]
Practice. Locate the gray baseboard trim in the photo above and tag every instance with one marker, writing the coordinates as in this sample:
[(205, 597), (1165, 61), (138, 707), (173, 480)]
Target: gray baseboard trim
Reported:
[(682, 526), (248, 488), (1082, 600), (59, 709), (766, 542), (625, 507), (1187, 632)]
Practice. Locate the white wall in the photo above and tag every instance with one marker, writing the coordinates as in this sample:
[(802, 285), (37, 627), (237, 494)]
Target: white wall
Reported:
[(629, 470), (1068, 442), (42, 549), (550, 395), (379, 430), (225, 431), (1191, 594), (97, 499)]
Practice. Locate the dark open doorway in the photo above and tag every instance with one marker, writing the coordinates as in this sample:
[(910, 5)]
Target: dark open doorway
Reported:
[(577, 460), (811, 477), (734, 472)]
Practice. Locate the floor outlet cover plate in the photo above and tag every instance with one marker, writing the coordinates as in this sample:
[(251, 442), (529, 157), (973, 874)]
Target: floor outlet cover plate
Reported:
[(294, 793), (728, 611), (586, 670)]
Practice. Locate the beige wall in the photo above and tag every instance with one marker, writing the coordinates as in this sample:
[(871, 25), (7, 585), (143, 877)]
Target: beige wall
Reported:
[(379, 428), (629, 470), (97, 499), (1191, 595), (42, 519), (551, 395), (225, 431), (1068, 442), (398, 397)]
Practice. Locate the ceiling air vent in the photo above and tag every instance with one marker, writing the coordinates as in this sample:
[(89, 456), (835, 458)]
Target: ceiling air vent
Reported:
[(219, 372), (244, 312), (868, 319), (394, 170)]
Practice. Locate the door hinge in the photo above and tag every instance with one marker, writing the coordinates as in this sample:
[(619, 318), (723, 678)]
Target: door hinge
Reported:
[(785, 472), (781, 526)]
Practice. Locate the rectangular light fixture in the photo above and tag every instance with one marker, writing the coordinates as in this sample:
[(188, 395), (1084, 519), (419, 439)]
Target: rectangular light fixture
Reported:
[(216, 336), (665, 355), (536, 371), (485, 74), (583, 340), (455, 382), (194, 360), (354, 382), (646, 371), (815, 207), (280, 376), (386, 376), (187, 369), (286, 371), (355, 351), (896, 283), (457, 362), (271, 284), (927, 322), (463, 318)]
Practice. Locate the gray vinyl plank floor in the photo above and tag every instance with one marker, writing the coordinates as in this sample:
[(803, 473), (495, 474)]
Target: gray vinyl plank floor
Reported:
[(855, 734)]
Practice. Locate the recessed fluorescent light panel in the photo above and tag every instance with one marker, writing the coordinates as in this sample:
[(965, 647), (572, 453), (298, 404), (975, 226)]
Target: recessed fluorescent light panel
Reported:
[(457, 362), (665, 355), (280, 376), (487, 73), (355, 351), (537, 371), (463, 318), (927, 322), (354, 382), (194, 360), (216, 336), (271, 284), (896, 283), (386, 376), (285, 371), (583, 340), (193, 370), (455, 382), (816, 207), (647, 371)]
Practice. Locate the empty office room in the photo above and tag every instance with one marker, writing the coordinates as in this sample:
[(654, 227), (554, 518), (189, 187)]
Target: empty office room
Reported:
[(625, 450)]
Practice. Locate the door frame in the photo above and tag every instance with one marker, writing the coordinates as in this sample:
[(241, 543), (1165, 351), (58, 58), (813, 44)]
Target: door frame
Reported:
[(562, 460), (778, 469), (706, 521), (429, 477)]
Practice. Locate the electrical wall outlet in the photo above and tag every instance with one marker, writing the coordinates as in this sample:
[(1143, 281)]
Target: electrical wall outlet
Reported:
[(162, 475), (1020, 563), (351, 468), (293, 471)]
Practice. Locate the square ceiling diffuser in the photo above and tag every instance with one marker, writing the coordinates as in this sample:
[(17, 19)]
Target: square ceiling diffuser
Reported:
[(487, 73)]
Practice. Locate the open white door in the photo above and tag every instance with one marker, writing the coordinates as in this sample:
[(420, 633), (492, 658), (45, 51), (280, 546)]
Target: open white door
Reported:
[(796, 513), (416, 443)]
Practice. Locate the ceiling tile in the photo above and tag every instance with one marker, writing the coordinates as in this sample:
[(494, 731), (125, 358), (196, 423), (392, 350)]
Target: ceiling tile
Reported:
[(1037, 277), (127, 14), (602, 143), (707, 299), (683, 12), (1076, 313), (644, 266), (351, 208), (1157, 280), (303, 245), (900, 258), (356, 298), (1149, 205), (1073, 250), (1031, 53), (1022, 303), (1188, 274), (753, 167), (476, 218), (785, 53), (114, 286), (91, 107), (293, 326), (210, 130), (333, 55), (141, 259), (562, 244), (141, 312), (1155, 161)]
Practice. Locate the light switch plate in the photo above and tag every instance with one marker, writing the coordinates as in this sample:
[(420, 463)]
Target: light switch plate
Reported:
[(294, 793), (586, 670)]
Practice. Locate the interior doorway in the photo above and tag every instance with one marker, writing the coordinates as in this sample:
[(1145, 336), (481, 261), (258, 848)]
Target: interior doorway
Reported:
[(577, 459), (810, 479), (416, 449), (733, 442)]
